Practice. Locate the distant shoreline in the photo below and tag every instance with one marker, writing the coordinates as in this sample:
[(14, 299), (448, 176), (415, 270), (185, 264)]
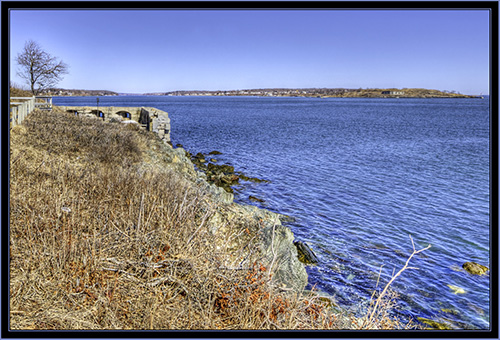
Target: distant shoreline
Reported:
[(281, 92)]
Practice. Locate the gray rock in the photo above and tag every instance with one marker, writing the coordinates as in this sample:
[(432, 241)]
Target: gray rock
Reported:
[(281, 257)]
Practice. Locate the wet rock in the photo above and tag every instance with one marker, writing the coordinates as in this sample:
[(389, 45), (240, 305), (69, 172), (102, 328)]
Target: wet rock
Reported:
[(220, 178), (255, 199), (227, 188), (199, 156), (222, 175), (230, 179), (287, 219), (378, 246), (244, 177), (475, 268), (434, 324), (212, 168), (400, 253), (337, 268), (449, 311), (305, 254), (252, 179), (227, 169), (456, 289), (221, 169), (199, 160)]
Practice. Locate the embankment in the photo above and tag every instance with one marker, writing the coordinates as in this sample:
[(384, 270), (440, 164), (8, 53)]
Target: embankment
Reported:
[(112, 228), (274, 241)]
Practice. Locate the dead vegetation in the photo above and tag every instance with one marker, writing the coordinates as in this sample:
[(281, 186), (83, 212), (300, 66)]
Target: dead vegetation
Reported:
[(97, 242), (18, 91)]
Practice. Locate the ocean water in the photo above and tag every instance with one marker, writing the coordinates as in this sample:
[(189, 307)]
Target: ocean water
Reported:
[(360, 176)]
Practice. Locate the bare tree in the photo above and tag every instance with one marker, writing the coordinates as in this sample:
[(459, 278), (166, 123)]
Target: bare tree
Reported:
[(38, 68)]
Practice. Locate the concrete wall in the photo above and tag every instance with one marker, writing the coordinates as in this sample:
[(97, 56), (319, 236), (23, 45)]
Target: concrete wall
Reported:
[(150, 118)]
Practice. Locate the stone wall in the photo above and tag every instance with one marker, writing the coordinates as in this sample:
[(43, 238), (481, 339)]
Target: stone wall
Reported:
[(150, 118), (159, 122)]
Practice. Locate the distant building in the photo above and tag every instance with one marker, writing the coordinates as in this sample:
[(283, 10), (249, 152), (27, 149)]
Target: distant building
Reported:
[(394, 93)]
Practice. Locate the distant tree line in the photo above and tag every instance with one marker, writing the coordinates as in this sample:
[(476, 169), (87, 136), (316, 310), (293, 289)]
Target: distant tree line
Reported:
[(324, 92), (77, 92)]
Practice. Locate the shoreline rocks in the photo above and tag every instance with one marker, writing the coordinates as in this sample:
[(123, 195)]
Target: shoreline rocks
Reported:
[(222, 175), (275, 242)]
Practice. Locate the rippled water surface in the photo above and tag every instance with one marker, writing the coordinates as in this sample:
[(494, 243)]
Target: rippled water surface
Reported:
[(360, 176)]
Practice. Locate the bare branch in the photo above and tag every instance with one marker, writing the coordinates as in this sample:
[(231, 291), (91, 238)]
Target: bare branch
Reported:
[(384, 291), (38, 68)]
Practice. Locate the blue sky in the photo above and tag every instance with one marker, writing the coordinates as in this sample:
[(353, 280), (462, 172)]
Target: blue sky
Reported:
[(138, 51)]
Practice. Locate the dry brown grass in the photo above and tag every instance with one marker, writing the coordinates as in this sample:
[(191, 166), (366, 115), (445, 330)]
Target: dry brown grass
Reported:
[(98, 242), (18, 91)]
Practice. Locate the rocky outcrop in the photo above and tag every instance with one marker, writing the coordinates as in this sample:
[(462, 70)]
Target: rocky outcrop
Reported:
[(222, 175), (266, 241), (281, 256), (273, 243)]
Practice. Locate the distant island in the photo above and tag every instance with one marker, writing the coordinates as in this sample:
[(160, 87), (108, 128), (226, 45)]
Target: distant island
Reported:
[(65, 92), (327, 93), (283, 92)]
